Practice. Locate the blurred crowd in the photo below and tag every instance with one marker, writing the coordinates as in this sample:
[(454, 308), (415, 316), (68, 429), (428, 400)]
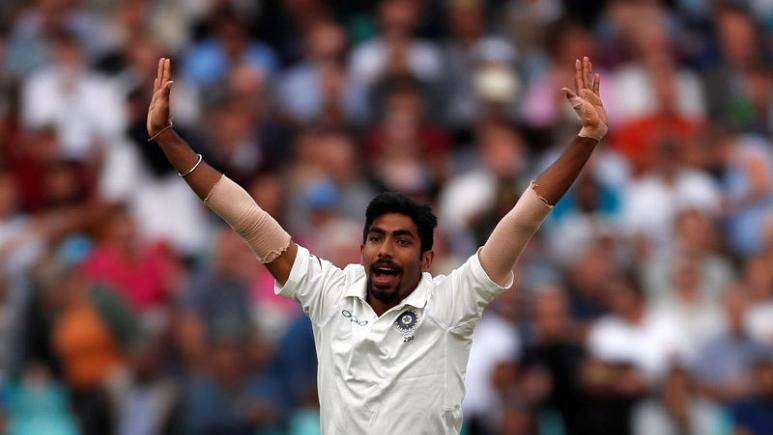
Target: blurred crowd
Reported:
[(643, 306)]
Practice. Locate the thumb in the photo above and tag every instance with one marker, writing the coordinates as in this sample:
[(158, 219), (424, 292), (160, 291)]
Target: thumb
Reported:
[(168, 87), (574, 100)]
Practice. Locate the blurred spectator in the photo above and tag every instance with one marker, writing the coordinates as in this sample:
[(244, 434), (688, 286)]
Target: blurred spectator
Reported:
[(759, 279), (38, 404), (29, 47), (218, 296), (679, 410), (697, 315), (144, 400), (89, 333), (588, 281), (695, 240), (478, 65), (640, 85), (408, 152), (393, 52), (651, 202), (554, 346), (20, 243), (28, 161), (495, 343), (738, 87), (636, 336), (229, 44), (748, 181), (84, 108), (612, 389), (307, 88), (723, 366), (517, 419), (499, 160), (543, 106), (296, 367), (143, 275), (334, 180), (753, 416), (589, 210), (229, 397)]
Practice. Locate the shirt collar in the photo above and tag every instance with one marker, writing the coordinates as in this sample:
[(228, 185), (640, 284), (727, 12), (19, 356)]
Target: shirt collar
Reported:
[(417, 299)]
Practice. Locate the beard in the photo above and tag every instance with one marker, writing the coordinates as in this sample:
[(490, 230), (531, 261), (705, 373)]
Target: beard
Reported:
[(386, 296)]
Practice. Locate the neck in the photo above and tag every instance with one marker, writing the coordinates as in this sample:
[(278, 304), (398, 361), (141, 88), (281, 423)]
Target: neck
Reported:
[(379, 307)]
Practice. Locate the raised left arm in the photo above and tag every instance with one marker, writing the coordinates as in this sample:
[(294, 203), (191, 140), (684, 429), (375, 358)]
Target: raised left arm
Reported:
[(513, 232)]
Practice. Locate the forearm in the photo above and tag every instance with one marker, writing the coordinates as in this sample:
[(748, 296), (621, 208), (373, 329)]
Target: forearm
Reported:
[(513, 232), (271, 244), (509, 238), (183, 158), (554, 181)]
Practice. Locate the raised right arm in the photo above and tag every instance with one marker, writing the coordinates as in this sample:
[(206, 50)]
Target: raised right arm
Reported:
[(268, 240)]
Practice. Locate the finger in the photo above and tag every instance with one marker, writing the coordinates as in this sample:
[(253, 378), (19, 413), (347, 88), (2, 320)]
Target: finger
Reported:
[(574, 100), (159, 71), (597, 84), (577, 76), (586, 72), (166, 72)]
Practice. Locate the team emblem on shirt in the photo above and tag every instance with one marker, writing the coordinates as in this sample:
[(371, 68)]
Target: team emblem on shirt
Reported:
[(406, 323)]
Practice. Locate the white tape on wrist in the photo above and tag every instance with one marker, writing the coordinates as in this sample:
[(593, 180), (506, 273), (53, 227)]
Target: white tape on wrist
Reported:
[(261, 231), (593, 133)]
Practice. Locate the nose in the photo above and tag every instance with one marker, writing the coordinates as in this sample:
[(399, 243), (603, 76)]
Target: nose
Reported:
[(385, 250)]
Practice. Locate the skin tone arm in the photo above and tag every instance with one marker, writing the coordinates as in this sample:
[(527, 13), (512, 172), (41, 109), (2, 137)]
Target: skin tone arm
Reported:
[(511, 234), (183, 158), (552, 183)]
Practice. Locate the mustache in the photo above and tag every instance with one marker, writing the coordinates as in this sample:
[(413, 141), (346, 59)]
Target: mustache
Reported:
[(387, 264)]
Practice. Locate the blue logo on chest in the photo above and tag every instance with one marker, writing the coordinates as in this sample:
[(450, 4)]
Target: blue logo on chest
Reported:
[(406, 321)]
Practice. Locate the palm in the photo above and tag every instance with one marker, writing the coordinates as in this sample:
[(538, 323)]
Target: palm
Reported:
[(158, 112), (585, 99)]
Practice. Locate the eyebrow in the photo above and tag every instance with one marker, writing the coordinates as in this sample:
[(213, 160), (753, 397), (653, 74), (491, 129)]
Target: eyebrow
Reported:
[(397, 233)]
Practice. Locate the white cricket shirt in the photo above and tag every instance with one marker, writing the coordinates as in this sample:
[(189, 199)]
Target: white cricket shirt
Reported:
[(402, 372)]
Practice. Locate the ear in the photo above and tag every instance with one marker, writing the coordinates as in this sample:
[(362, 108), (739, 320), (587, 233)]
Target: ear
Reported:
[(362, 253), (426, 260)]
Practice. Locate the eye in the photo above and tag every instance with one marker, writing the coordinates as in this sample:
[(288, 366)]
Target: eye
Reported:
[(403, 242), (374, 238)]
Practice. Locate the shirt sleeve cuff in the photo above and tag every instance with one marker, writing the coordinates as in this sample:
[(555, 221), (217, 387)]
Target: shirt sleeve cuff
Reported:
[(298, 271), (482, 276)]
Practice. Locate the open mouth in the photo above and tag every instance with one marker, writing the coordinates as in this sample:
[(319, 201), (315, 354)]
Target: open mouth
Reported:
[(384, 275)]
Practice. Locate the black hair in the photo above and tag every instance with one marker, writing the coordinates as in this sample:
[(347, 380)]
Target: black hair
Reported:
[(393, 202)]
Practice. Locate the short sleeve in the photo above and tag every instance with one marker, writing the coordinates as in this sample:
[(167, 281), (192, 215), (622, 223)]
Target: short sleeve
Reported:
[(460, 298), (314, 283)]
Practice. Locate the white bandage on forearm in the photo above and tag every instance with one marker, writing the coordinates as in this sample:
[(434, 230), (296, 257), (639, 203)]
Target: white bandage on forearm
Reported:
[(261, 231), (512, 233)]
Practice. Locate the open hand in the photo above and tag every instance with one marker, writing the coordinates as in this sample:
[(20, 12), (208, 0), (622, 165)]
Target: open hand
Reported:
[(158, 112), (585, 100)]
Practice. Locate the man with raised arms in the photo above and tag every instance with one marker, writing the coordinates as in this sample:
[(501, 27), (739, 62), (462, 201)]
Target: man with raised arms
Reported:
[(392, 341)]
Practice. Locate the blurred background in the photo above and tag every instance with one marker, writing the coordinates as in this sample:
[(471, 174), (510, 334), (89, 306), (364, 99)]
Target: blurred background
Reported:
[(644, 306)]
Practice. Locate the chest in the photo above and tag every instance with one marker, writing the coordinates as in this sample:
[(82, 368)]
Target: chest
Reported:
[(401, 342)]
